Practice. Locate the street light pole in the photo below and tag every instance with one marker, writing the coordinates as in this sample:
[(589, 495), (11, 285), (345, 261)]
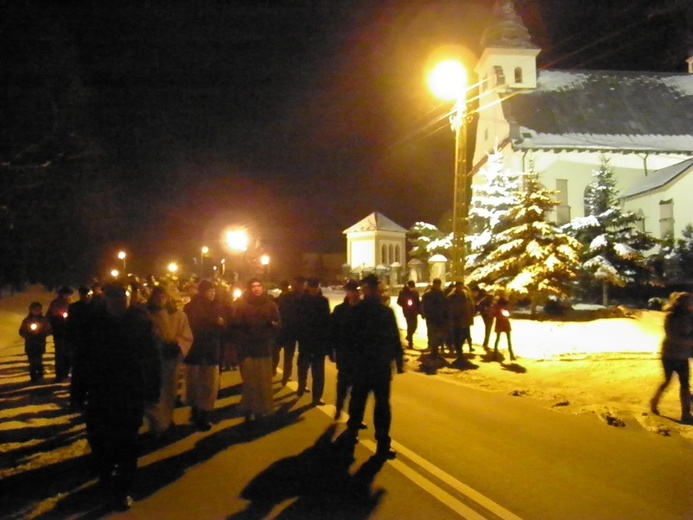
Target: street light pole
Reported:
[(448, 81), (460, 208)]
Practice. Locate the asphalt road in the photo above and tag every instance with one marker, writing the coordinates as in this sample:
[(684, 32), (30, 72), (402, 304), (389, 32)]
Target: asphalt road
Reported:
[(463, 453)]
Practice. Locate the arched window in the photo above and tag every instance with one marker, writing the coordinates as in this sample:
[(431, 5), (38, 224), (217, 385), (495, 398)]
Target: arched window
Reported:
[(518, 74), (390, 254), (383, 255), (397, 255), (666, 217)]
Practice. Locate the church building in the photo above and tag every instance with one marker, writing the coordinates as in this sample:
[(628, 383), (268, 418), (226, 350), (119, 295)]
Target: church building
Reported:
[(565, 122)]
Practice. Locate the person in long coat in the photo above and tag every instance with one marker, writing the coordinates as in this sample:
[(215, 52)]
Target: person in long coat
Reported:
[(123, 374), (175, 338), (202, 361), (410, 302), (313, 339), (676, 349), (57, 314), (340, 354), (258, 320), (434, 309), (461, 311), (374, 345)]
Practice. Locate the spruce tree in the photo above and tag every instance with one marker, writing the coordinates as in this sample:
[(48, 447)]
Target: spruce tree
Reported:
[(531, 258), (427, 240), (614, 246), (489, 205)]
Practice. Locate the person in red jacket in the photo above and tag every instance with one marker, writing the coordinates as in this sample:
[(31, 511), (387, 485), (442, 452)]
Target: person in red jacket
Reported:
[(502, 315)]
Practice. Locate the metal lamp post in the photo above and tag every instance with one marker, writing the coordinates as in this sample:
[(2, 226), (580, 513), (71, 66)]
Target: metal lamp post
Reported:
[(203, 252), (448, 81), (122, 256)]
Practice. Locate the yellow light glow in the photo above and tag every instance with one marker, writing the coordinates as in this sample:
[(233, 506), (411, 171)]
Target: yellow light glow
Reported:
[(236, 240), (122, 255), (265, 259), (237, 293), (115, 273), (448, 80), (172, 267), (205, 250)]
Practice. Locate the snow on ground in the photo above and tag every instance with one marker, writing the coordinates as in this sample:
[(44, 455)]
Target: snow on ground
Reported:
[(606, 367)]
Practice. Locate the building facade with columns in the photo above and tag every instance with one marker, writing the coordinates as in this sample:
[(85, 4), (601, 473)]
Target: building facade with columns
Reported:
[(375, 242)]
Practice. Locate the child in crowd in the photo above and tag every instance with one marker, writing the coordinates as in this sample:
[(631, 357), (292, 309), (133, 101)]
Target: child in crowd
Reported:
[(34, 329), (502, 315)]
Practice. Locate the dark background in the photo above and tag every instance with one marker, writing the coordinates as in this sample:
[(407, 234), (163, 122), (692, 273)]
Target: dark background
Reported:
[(153, 125)]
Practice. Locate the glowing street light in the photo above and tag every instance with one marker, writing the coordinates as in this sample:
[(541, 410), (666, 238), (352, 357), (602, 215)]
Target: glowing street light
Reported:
[(264, 262), (121, 256), (115, 273), (203, 252), (172, 268), (237, 240), (448, 81)]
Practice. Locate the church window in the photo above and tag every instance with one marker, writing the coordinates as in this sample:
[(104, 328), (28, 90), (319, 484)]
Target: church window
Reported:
[(518, 74), (666, 217)]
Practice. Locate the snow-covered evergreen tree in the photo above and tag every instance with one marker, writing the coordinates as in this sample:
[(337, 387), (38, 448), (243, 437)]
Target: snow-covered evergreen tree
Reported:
[(676, 256), (614, 246), (531, 258), (427, 240), (489, 205)]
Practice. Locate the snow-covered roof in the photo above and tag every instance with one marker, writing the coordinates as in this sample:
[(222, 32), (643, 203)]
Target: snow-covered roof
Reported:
[(659, 178), (375, 222), (604, 110)]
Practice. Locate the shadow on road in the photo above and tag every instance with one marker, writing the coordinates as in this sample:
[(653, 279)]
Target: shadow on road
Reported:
[(319, 482)]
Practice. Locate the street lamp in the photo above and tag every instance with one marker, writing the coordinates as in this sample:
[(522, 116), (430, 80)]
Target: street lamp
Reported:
[(115, 273), (121, 256), (448, 81), (172, 268), (264, 262), (237, 240), (203, 252)]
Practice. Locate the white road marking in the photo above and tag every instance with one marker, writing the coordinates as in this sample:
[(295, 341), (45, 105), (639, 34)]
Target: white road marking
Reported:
[(427, 485)]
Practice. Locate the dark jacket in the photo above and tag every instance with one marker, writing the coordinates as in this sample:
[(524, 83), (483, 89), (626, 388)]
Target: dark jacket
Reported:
[(434, 307), (410, 302), (678, 330), (122, 368), (35, 338), (461, 309), (288, 310), (257, 320), (313, 324), (340, 334), (373, 341), (57, 315), (501, 311), (206, 325)]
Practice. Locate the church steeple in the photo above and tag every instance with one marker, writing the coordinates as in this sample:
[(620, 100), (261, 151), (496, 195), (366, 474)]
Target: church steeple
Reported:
[(508, 31), (509, 56)]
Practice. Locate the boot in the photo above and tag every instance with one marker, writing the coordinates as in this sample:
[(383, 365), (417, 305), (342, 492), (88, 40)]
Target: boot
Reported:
[(202, 421), (686, 417)]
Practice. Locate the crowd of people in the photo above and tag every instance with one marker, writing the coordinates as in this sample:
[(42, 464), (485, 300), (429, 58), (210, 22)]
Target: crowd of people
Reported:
[(134, 352), (450, 313)]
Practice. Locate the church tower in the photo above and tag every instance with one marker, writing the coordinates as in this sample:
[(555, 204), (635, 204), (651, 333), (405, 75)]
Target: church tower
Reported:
[(508, 64)]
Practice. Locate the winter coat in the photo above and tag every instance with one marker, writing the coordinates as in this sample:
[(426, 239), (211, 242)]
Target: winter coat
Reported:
[(434, 307), (340, 334), (484, 306), (501, 311), (205, 321), (288, 310), (461, 309), (372, 341), (173, 331), (122, 368), (35, 338), (314, 324), (258, 320), (57, 314), (410, 302), (678, 339)]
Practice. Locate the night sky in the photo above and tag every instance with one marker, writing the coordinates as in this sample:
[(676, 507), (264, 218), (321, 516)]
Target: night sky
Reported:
[(295, 118)]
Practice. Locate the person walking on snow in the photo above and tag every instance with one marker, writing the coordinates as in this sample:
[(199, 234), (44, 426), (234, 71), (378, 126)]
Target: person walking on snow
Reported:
[(34, 329), (675, 351), (501, 312)]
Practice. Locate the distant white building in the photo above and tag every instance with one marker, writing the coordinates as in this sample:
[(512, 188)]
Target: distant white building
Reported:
[(564, 121), (375, 241)]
